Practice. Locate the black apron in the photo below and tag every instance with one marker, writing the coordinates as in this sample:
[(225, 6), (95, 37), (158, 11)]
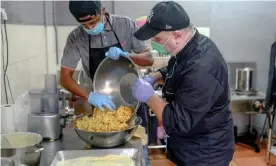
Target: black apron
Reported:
[(96, 55)]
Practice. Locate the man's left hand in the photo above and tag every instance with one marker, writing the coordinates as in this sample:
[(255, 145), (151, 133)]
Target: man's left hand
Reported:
[(142, 90), (150, 79), (115, 53)]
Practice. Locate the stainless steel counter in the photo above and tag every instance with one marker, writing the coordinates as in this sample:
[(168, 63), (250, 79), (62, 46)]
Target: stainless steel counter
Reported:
[(71, 141), (234, 97), (258, 96)]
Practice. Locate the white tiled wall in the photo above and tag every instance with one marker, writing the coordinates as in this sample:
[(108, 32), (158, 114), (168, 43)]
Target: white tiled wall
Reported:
[(62, 34), (27, 58)]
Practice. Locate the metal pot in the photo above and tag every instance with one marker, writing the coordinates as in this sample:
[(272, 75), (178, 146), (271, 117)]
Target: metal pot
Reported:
[(23, 147), (245, 81)]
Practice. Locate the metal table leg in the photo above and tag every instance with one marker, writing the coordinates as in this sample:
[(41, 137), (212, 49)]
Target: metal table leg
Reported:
[(269, 141), (151, 114)]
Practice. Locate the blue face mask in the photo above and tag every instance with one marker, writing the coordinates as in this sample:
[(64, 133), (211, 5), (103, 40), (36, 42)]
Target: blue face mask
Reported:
[(96, 30)]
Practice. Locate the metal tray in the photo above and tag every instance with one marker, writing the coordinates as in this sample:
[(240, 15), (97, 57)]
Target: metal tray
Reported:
[(135, 154)]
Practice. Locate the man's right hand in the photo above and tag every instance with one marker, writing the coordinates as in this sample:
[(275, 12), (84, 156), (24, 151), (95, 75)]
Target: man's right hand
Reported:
[(100, 101)]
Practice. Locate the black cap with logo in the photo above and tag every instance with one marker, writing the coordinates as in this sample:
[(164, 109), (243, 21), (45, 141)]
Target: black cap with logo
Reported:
[(164, 16), (83, 8)]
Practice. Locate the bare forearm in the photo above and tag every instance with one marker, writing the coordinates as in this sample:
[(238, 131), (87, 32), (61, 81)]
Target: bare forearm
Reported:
[(157, 105), (142, 59), (71, 85), (158, 76)]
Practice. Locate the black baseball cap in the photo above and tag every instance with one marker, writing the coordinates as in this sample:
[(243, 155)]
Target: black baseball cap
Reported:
[(83, 8), (164, 16)]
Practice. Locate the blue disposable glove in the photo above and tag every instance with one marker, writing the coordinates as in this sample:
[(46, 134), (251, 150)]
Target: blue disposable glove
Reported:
[(115, 53), (100, 101), (150, 79), (142, 90)]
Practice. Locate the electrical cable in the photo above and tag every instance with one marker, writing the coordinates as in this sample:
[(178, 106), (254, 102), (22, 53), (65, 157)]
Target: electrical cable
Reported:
[(7, 53), (7, 64), (4, 66), (10, 89)]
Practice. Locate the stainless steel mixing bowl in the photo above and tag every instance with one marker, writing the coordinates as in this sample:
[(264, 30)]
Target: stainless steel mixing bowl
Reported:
[(114, 78), (108, 139)]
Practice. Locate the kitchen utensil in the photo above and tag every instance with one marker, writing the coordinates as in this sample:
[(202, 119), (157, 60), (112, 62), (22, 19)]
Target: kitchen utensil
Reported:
[(23, 147), (50, 83), (108, 139), (245, 80), (44, 118), (115, 78), (43, 102), (134, 154)]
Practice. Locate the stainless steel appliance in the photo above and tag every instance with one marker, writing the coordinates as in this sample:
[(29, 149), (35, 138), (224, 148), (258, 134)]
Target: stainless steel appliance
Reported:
[(44, 118), (47, 125), (245, 81)]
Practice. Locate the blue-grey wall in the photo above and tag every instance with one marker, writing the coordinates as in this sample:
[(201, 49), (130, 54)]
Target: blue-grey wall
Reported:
[(243, 31), (43, 12)]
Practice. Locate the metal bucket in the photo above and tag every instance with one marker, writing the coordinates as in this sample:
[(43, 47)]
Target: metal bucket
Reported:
[(23, 147), (245, 79)]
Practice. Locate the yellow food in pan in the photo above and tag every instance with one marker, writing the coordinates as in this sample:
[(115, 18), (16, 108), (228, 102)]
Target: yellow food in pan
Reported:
[(109, 160), (106, 121)]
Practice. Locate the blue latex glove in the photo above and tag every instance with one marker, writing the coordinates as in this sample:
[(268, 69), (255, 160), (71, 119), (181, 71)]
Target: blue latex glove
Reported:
[(100, 101), (150, 79), (142, 90), (115, 53)]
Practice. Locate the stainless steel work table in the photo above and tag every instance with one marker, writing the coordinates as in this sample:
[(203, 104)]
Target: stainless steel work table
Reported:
[(234, 98), (71, 141)]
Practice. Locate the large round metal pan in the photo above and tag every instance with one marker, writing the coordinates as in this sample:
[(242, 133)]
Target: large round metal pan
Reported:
[(108, 139)]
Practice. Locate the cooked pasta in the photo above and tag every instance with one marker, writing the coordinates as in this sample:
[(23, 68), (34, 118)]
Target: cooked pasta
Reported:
[(106, 121)]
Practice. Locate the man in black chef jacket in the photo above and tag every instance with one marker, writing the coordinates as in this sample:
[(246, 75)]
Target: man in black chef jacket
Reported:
[(194, 109)]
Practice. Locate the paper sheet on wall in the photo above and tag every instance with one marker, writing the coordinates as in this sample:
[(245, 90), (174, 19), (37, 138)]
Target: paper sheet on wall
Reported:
[(204, 31)]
